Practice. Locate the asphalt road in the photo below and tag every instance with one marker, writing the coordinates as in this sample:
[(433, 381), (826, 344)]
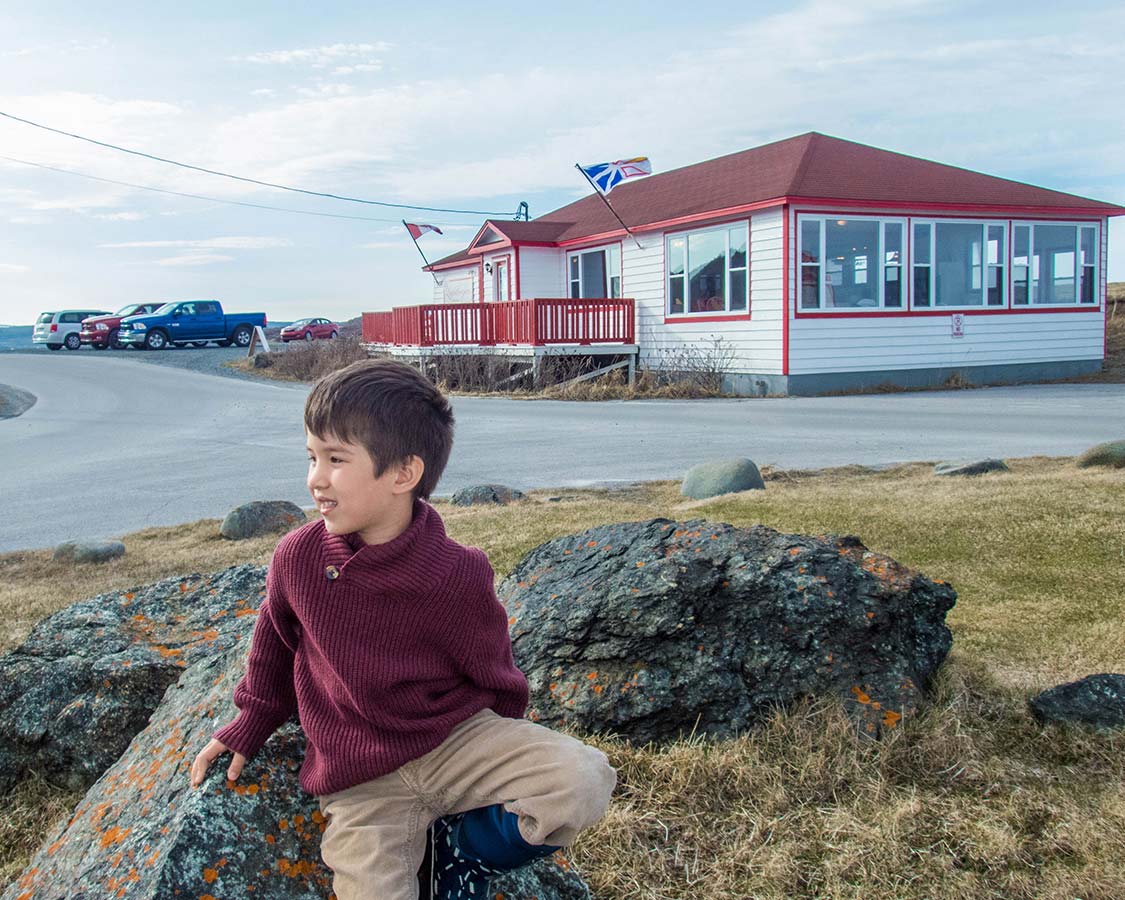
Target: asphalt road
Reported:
[(115, 444)]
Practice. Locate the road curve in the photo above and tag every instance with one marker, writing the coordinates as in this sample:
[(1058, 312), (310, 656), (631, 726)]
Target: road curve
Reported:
[(114, 445)]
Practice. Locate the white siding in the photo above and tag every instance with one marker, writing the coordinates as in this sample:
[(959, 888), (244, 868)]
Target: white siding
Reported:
[(854, 343), (541, 272), (461, 285), (754, 344)]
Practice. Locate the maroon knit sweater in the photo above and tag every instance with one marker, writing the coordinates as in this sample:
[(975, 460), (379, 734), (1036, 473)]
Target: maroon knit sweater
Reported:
[(381, 649)]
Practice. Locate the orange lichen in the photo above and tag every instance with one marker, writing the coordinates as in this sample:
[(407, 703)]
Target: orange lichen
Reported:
[(640, 563), (209, 875), (270, 839), (860, 696), (592, 676), (113, 836), (891, 718)]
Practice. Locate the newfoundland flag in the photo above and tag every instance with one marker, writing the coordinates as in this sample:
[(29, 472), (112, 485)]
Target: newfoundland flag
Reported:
[(606, 176), (416, 231)]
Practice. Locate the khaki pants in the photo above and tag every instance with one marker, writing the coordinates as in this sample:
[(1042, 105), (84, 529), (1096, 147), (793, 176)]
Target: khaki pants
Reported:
[(376, 834)]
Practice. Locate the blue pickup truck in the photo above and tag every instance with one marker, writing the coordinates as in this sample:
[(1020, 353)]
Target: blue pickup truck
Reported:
[(192, 322)]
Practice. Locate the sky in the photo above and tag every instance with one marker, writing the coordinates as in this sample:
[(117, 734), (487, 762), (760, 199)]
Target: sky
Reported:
[(477, 108)]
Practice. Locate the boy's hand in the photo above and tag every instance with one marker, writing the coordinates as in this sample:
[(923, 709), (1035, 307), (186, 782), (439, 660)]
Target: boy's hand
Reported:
[(207, 756)]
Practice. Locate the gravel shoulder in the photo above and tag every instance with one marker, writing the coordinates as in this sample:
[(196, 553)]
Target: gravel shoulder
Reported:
[(207, 360)]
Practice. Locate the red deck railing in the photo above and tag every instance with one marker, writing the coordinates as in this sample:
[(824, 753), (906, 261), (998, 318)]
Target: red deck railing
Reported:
[(522, 322)]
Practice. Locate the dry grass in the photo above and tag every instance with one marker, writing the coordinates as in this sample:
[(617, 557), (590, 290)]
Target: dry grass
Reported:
[(301, 361), (973, 800)]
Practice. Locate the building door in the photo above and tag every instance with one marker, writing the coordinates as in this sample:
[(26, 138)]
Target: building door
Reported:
[(500, 280)]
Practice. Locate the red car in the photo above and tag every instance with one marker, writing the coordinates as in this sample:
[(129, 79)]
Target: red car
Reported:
[(309, 330), (101, 331)]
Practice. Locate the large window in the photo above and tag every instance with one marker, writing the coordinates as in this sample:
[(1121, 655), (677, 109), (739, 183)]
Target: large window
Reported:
[(1054, 264), (595, 273), (708, 271), (960, 264), (851, 263)]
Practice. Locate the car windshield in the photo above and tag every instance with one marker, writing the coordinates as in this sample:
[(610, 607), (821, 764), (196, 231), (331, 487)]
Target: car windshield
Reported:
[(299, 323), (167, 307), (126, 310)]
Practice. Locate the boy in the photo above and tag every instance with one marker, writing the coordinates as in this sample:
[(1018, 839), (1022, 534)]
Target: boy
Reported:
[(387, 639)]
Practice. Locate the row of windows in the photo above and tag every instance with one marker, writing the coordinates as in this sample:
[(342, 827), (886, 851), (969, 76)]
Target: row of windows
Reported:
[(858, 263), (861, 263)]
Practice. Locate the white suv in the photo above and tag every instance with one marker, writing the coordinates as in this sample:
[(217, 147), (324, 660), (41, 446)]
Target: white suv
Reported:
[(60, 329)]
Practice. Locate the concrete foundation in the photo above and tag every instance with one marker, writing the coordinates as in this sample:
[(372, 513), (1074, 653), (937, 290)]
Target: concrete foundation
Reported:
[(749, 384)]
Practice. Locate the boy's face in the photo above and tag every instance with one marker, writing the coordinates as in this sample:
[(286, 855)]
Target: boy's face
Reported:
[(347, 492)]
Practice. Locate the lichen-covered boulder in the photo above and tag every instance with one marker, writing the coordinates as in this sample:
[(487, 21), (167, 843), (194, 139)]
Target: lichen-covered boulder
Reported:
[(656, 629), (260, 517), (88, 551), (971, 467), (89, 676), (1097, 701), (1110, 454), (488, 494), (721, 476), (142, 832)]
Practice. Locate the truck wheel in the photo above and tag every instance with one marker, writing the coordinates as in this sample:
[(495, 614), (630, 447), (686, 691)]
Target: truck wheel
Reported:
[(73, 341), (223, 343), (308, 336), (156, 340), (333, 336), (113, 342), (241, 336), (54, 346)]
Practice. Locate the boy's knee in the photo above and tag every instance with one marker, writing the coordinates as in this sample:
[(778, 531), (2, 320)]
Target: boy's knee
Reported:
[(589, 779)]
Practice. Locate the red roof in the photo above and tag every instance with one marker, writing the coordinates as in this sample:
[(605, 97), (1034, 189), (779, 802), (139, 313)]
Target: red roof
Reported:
[(810, 166)]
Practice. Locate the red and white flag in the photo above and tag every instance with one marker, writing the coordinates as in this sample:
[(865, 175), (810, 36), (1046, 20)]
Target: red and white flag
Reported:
[(416, 231)]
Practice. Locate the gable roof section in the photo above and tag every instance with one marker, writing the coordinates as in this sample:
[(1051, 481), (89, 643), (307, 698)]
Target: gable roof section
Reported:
[(810, 166)]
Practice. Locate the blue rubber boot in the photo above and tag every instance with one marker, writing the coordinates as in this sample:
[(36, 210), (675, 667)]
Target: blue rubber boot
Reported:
[(471, 848)]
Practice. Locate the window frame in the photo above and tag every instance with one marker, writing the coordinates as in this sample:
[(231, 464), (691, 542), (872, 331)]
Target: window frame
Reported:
[(1005, 264), (726, 314), (913, 219), (1077, 225), (904, 264), (610, 252)]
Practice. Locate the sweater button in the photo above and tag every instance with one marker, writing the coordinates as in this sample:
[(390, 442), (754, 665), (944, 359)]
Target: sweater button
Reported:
[(331, 573)]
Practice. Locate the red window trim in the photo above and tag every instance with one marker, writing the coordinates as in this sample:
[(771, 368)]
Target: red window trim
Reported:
[(910, 309)]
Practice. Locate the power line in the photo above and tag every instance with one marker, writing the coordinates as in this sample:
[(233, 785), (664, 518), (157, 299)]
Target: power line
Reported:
[(143, 187), (269, 184)]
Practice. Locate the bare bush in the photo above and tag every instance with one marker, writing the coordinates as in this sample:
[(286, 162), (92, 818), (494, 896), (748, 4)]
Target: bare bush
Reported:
[(310, 361)]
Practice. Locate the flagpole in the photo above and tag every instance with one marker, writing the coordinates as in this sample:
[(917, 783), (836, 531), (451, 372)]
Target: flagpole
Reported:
[(419, 249), (605, 200)]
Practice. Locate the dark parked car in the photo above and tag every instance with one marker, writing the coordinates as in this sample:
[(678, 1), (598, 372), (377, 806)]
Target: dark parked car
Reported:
[(101, 331), (309, 330)]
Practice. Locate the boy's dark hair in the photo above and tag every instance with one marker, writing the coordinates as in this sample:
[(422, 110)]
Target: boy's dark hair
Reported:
[(389, 408)]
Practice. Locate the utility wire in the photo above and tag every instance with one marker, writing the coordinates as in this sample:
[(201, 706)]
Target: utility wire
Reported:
[(143, 187), (269, 184)]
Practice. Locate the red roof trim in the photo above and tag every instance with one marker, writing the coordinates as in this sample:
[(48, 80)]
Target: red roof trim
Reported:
[(831, 204), (455, 264)]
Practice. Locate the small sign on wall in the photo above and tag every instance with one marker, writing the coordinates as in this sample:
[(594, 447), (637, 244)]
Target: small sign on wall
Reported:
[(957, 325)]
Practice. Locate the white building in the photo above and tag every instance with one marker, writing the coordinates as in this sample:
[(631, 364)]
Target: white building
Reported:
[(821, 264)]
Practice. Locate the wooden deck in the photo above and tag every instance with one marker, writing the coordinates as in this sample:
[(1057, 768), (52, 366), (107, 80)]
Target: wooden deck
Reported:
[(540, 322)]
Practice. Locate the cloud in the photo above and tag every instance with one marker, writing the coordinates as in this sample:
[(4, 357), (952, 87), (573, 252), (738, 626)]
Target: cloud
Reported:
[(194, 259), (13, 268), (323, 57), (218, 243), (128, 216)]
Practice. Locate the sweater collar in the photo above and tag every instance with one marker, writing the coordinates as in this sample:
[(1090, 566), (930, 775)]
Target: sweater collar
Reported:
[(345, 551)]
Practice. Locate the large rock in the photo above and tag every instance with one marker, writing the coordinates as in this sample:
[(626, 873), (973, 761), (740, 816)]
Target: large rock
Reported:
[(722, 476), (1111, 454), (494, 494), (89, 676), (89, 551), (656, 629), (260, 517), (970, 467), (1097, 700), (88, 695), (142, 832)]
